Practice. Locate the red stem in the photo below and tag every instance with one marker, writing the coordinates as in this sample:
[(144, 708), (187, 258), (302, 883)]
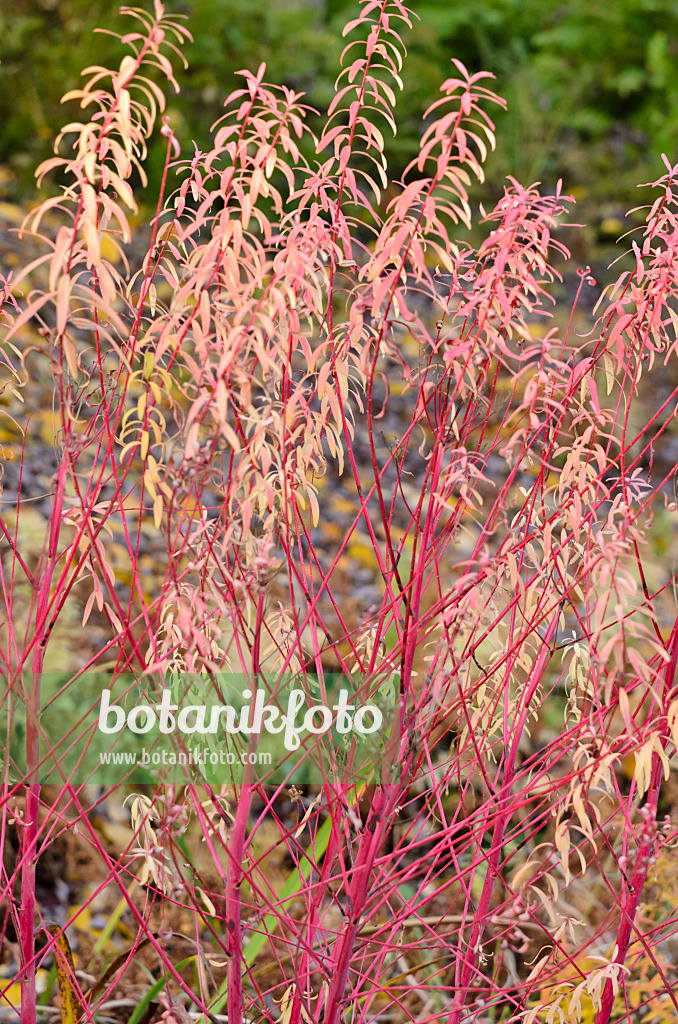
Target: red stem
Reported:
[(31, 813), (634, 891)]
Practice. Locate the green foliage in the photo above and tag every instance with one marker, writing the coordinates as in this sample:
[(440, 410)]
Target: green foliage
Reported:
[(44, 44), (47, 45), (592, 90)]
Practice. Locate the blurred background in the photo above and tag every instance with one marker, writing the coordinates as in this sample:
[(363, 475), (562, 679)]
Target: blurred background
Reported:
[(592, 89)]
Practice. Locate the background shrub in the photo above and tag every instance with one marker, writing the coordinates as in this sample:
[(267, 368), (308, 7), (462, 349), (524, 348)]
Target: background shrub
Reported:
[(591, 90)]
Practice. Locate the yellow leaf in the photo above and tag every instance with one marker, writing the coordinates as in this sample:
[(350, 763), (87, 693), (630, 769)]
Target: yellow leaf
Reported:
[(12, 995), (362, 552), (157, 511), (286, 1005), (149, 484), (63, 302), (128, 67), (89, 230), (71, 355), (71, 1007), (89, 164), (109, 249)]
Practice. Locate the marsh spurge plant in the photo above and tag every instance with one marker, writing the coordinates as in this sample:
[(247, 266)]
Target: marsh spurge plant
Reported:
[(209, 401)]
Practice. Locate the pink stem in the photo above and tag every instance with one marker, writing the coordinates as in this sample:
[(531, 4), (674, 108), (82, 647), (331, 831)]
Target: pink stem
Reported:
[(639, 876), (504, 813), (31, 813)]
